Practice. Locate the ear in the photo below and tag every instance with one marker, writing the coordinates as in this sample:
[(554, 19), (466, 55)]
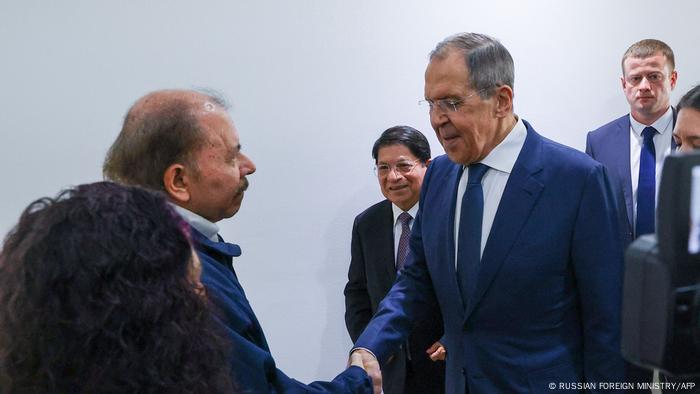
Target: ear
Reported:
[(176, 180), (504, 101), (674, 77), (623, 82)]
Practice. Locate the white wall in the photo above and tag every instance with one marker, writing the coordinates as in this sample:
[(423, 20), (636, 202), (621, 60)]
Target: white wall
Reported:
[(313, 83)]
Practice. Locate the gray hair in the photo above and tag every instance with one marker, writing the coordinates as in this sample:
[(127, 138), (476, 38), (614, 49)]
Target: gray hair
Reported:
[(488, 61)]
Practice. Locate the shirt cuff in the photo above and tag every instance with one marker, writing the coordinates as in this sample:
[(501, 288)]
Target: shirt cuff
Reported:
[(365, 349)]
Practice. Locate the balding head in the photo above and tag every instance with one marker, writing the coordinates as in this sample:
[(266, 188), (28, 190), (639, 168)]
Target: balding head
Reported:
[(195, 101), (182, 142), (160, 129)]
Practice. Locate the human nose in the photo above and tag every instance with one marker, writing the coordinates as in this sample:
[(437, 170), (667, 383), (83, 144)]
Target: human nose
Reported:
[(394, 174), (438, 115), (438, 120), (644, 83), (247, 165)]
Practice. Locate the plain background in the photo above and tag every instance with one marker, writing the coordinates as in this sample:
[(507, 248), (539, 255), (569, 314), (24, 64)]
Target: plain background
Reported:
[(313, 83)]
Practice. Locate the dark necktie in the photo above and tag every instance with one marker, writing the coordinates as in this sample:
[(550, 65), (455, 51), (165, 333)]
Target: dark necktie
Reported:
[(469, 242), (646, 187), (402, 253)]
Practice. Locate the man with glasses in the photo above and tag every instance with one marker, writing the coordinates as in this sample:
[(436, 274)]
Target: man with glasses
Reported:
[(378, 251), (516, 237)]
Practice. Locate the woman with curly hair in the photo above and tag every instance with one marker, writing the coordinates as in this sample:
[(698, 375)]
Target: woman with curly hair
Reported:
[(100, 293)]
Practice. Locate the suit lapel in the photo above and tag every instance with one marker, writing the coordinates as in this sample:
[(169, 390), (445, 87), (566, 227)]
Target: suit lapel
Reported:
[(519, 197), (621, 139), (451, 182), (438, 223), (383, 243), (621, 142)]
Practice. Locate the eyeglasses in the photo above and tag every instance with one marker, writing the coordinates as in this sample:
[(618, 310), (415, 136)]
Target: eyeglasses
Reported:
[(652, 78), (402, 167), (447, 105)]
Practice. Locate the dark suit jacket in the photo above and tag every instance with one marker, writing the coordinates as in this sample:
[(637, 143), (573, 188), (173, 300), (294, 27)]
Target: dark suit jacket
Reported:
[(546, 307), (610, 145), (370, 276), (253, 369)]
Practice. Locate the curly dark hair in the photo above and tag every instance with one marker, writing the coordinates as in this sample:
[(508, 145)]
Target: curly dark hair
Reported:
[(97, 295)]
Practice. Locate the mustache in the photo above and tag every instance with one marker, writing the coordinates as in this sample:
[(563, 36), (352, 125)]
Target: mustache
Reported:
[(243, 186)]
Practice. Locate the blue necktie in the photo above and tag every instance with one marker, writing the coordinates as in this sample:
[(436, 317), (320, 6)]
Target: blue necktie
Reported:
[(646, 187), (469, 242)]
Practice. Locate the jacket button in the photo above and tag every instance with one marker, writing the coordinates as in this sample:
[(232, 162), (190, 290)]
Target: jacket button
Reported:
[(464, 371)]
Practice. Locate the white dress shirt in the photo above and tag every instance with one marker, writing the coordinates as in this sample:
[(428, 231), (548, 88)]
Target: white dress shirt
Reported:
[(662, 145), (397, 225), (500, 161), (204, 226)]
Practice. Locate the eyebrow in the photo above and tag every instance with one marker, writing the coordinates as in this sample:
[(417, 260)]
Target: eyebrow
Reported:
[(445, 97), (400, 160), (637, 74)]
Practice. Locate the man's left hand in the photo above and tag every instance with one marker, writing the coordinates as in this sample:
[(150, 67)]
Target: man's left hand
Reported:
[(436, 351)]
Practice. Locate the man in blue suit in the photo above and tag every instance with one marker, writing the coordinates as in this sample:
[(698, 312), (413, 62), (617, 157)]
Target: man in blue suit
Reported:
[(185, 144), (634, 146), (516, 237)]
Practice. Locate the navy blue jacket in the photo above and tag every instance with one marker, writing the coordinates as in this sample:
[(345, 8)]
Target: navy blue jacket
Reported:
[(253, 369), (610, 145), (546, 307)]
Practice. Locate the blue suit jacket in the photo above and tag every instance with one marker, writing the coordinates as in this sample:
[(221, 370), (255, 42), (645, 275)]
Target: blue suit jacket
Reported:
[(610, 145), (547, 303), (253, 369)]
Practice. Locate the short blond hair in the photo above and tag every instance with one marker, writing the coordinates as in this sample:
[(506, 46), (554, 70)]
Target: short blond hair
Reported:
[(648, 48)]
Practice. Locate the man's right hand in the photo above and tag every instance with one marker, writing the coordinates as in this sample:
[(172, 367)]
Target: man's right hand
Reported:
[(369, 363)]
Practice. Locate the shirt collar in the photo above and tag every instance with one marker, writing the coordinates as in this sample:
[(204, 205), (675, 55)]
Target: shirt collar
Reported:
[(661, 125), (502, 158), (398, 211), (204, 226)]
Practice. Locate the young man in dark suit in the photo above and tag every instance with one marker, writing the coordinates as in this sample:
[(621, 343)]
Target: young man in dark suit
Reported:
[(634, 146), (379, 250)]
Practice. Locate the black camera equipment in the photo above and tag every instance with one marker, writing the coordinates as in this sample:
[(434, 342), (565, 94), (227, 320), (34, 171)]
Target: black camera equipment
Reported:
[(661, 297)]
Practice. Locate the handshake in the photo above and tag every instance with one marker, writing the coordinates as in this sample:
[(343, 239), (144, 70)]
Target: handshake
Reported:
[(364, 359)]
